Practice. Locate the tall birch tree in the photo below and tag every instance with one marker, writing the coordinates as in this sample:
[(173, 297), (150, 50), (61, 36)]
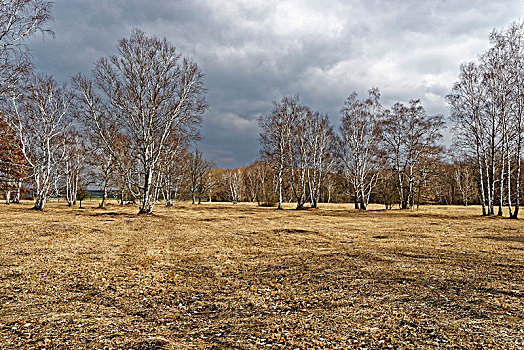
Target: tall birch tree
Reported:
[(41, 116), (357, 148), (151, 93)]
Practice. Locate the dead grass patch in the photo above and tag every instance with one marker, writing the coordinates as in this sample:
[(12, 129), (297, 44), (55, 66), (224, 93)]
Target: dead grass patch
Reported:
[(224, 276)]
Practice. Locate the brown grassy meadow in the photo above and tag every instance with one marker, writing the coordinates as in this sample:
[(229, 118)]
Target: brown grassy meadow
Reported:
[(224, 276)]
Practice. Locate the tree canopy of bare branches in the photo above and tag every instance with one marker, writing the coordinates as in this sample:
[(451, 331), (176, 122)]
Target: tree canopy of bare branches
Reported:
[(276, 136), (41, 116), (299, 144), (357, 146), (408, 136), (19, 19), (150, 94), (487, 107)]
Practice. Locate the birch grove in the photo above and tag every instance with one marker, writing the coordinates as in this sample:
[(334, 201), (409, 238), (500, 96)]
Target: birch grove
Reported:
[(487, 108), (357, 146), (408, 136), (128, 131), (152, 94), (41, 116)]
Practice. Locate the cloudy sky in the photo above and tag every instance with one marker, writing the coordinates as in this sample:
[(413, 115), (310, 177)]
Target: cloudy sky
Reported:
[(256, 51)]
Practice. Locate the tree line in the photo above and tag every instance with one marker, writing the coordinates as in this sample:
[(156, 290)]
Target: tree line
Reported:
[(130, 121), (376, 152), (130, 130), (487, 107)]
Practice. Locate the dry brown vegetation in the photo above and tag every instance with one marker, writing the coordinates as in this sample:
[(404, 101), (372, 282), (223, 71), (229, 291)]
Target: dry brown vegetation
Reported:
[(242, 277)]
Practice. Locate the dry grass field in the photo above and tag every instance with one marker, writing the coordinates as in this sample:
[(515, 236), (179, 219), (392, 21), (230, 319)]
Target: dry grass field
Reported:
[(224, 276)]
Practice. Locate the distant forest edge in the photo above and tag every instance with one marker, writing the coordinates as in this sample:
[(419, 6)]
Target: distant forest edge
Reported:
[(130, 128), (245, 185)]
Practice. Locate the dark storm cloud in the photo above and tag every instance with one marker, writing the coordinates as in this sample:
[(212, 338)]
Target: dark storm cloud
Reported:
[(254, 52)]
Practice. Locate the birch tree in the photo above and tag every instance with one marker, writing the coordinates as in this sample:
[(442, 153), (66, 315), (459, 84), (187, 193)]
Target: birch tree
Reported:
[(320, 146), (464, 181), (408, 135), (359, 137), (19, 19), (41, 117), (467, 102), (487, 108), (72, 164), (102, 169), (151, 92), (497, 82), (297, 153), (198, 176), (276, 135), (174, 168), (515, 47), (234, 181)]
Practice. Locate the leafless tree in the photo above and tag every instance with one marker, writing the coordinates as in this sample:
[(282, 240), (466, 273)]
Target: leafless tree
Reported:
[(487, 106), (467, 102), (251, 184), (174, 169), (198, 176), (359, 138), (330, 185), (464, 180), (515, 65), (41, 117), (409, 134), (102, 169), (73, 164), (298, 154), (150, 93), (234, 181), (276, 136), (19, 19), (497, 80), (386, 187), (320, 144), (298, 143), (262, 183)]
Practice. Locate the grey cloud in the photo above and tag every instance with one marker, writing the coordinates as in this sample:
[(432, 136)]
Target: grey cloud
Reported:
[(255, 51)]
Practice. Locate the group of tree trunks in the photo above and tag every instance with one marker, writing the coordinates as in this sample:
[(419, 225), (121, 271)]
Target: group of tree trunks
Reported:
[(131, 120), (372, 141), (129, 130), (487, 106)]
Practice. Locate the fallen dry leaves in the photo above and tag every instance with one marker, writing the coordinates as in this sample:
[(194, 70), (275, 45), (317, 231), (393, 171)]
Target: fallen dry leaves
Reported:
[(219, 275)]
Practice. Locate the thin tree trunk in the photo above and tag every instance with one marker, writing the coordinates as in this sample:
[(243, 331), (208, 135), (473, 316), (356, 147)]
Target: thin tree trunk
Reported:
[(280, 188), (519, 161), (510, 209), (145, 205), (489, 185), (17, 197), (75, 187), (501, 187), (40, 203), (481, 180), (363, 205), (517, 188), (104, 197)]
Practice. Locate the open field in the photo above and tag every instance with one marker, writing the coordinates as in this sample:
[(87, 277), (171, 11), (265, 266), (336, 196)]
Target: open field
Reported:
[(241, 277)]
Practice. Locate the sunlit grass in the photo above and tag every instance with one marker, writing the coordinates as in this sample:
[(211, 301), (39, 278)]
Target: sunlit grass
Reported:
[(242, 276)]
